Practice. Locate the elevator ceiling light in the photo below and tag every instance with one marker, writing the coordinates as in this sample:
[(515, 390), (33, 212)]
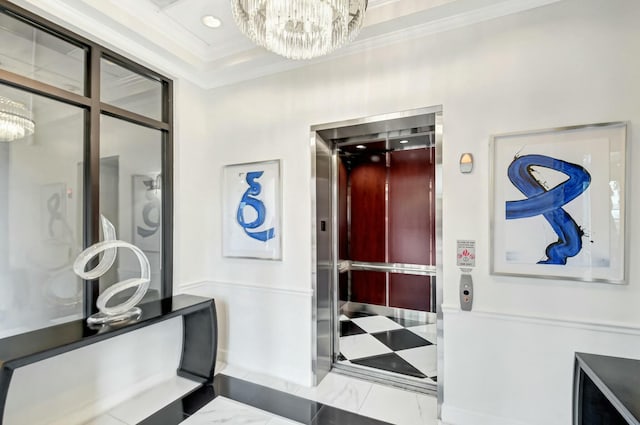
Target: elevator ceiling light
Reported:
[(299, 29), (15, 120), (402, 142), (361, 147), (211, 21)]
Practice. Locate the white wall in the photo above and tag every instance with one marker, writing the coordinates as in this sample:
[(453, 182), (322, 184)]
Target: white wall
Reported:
[(574, 62)]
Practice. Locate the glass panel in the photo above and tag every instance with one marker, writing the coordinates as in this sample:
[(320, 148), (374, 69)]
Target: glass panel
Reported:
[(131, 91), (130, 195), (36, 54), (40, 211)]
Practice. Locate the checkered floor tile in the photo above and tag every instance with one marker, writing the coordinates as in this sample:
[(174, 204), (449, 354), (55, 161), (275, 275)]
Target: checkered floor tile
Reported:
[(395, 345)]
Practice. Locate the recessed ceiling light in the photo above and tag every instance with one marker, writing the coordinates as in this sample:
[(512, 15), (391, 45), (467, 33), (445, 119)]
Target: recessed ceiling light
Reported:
[(211, 21), (361, 147), (402, 142)]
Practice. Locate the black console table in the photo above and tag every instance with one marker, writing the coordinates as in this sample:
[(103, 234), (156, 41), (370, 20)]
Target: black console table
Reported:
[(199, 339), (606, 390)]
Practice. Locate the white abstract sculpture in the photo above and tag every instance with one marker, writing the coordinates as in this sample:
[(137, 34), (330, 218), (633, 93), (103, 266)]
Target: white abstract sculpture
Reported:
[(127, 309)]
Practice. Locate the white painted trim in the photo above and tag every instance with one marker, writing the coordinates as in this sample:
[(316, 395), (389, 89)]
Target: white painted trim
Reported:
[(607, 327), (447, 23), (145, 52), (223, 72), (455, 416), (197, 64), (241, 285)]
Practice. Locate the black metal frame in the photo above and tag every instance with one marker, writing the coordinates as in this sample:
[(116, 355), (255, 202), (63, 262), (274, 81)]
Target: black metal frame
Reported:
[(94, 108)]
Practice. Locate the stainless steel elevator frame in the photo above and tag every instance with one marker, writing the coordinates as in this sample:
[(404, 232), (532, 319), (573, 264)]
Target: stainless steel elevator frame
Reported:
[(324, 319)]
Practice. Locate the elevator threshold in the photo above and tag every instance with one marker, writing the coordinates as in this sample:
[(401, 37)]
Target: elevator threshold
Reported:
[(386, 378)]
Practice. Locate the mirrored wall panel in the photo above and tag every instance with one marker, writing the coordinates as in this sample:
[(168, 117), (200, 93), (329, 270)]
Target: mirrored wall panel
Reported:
[(34, 53), (41, 147), (131, 194)]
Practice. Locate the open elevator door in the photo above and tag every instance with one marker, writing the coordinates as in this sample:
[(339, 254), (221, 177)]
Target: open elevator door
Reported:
[(329, 144), (323, 267)]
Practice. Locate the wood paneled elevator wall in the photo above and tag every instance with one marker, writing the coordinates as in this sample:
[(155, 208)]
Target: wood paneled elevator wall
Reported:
[(386, 209)]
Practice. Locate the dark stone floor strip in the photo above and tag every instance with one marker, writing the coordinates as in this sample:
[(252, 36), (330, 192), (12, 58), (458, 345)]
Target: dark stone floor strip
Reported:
[(267, 399)]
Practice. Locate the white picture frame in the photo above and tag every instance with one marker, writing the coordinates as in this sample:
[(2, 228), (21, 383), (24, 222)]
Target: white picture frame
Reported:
[(570, 224), (251, 210)]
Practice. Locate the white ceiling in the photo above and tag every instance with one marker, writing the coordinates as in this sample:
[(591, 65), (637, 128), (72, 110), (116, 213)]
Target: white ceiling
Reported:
[(169, 34)]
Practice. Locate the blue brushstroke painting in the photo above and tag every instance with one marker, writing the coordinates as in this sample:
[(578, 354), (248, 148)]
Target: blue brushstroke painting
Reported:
[(249, 200), (549, 202)]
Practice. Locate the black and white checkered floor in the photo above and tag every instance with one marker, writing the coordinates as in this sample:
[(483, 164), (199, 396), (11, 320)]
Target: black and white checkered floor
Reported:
[(391, 344)]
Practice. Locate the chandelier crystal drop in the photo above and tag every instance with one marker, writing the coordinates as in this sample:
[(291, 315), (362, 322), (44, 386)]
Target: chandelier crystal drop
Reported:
[(299, 29), (15, 120)]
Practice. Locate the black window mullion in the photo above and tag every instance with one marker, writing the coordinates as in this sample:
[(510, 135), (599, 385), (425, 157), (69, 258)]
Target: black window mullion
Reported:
[(91, 211), (167, 192), (132, 117), (94, 108), (22, 82)]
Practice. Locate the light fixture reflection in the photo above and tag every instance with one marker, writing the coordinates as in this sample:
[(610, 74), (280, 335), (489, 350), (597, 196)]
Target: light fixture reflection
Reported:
[(15, 120)]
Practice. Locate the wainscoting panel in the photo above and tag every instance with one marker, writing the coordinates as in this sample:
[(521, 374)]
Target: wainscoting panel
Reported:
[(262, 329)]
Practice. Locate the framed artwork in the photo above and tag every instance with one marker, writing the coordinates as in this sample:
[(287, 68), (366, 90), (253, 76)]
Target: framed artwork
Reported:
[(53, 205), (558, 203), (251, 210), (147, 209)]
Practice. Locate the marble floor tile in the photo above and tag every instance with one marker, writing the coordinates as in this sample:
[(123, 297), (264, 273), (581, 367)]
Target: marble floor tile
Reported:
[(143, 405), (224, 411), (347, 327), (425, 359), (105, 420), (363, 345), (428, 332), (281, 421), (390, 362), (373, 324), (428, 406), (338, 391), (400, 339), (399, 407), (271, 382)]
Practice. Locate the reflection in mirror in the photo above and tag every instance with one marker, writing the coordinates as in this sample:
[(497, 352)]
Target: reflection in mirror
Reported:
[(40, 216), (129, 90), (130, 196), (34, 53)]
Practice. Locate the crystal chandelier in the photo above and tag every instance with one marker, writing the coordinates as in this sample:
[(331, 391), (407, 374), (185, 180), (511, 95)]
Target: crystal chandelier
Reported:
[(15, 120), (299, 29)]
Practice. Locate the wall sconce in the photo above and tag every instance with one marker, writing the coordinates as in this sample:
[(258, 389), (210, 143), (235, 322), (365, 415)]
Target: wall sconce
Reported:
[(466, 163), (154, 184)]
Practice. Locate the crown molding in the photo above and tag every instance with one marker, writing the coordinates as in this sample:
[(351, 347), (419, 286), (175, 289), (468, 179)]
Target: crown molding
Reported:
[(180, 54), (259, 63)]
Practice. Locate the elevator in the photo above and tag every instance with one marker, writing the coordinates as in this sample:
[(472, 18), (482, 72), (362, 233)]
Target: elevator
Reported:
[(376, 230)]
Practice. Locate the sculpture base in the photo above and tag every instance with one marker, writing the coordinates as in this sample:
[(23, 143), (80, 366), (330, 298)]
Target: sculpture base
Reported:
[(104, 319)]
